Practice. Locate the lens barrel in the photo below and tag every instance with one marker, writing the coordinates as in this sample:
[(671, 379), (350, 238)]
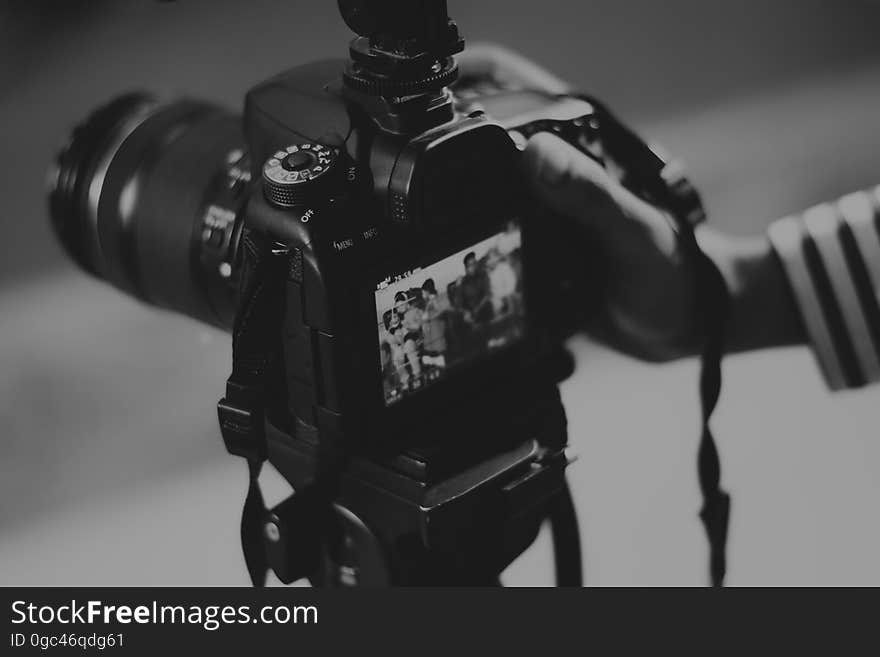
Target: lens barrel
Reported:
[(148, 196)]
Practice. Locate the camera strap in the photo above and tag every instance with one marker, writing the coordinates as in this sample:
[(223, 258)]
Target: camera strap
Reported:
[(651, 176), (255, 369)]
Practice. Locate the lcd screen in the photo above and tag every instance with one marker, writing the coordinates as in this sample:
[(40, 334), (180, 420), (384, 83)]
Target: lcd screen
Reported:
[(449, 313)]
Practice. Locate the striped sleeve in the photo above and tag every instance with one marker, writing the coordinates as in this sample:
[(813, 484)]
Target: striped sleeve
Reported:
[(831, 257)]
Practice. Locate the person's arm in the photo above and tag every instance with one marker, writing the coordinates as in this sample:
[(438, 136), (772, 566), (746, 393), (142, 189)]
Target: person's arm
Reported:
[(763, 312), (815, 278), (831, 258)]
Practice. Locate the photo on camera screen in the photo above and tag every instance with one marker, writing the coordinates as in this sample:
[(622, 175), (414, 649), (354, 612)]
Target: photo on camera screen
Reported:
[(449, 313)]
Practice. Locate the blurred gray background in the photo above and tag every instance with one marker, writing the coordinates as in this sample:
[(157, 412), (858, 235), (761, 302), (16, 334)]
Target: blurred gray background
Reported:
[(113, 471)]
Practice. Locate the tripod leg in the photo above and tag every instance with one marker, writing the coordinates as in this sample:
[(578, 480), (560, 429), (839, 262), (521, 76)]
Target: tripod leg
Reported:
[(566, 540), (353, 555)]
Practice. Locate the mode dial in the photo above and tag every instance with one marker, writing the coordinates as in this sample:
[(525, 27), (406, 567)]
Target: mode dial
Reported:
[(300, 174)]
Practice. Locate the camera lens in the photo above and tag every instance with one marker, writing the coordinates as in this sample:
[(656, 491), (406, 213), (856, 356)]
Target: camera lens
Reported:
[(148, 196)]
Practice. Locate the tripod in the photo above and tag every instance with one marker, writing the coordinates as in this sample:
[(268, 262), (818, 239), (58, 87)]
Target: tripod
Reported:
[(402, 522), (417, 518)]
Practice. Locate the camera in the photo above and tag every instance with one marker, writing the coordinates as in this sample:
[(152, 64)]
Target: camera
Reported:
[(398, 302)]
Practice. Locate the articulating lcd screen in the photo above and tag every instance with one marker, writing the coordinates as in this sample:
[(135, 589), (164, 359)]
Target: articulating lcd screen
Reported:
[(449, 313)]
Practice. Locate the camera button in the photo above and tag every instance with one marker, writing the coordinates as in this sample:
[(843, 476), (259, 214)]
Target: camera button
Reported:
[(299, 161)]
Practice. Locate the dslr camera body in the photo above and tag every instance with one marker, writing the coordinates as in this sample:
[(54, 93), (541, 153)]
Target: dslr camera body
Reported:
[(398, 302)]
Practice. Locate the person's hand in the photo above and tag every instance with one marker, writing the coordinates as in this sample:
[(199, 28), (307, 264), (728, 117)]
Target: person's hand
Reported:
[(650, 305), (651, 312), (650, 297)]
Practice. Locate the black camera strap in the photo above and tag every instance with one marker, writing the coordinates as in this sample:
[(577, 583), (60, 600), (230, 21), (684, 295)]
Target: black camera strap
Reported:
[(255, 368), (661, 182)]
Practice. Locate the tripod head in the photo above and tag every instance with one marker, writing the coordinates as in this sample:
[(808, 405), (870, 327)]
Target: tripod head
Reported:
[(404, 49)]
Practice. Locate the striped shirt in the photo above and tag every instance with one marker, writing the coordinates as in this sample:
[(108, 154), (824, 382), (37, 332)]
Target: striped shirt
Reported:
[(831, 257)]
